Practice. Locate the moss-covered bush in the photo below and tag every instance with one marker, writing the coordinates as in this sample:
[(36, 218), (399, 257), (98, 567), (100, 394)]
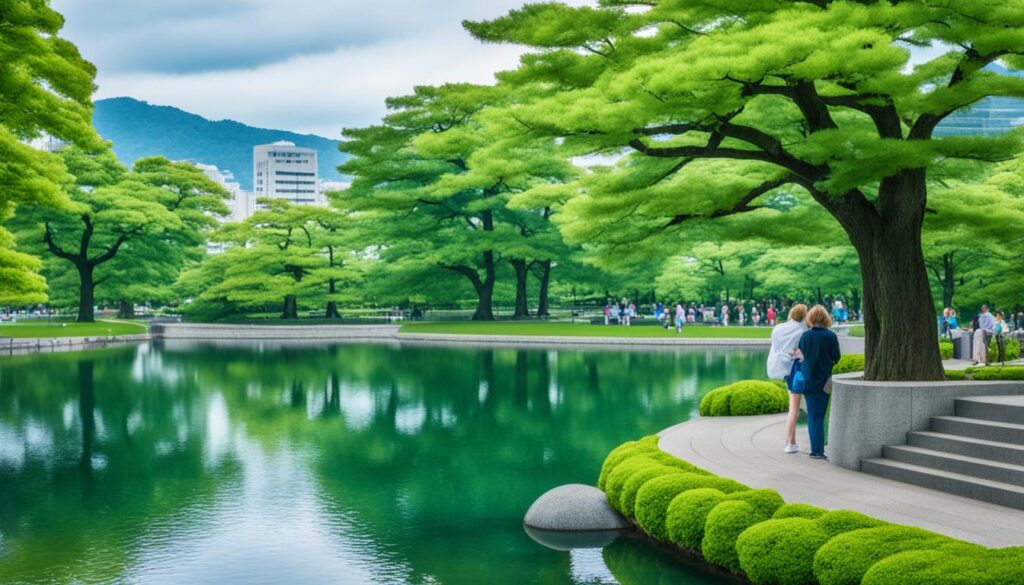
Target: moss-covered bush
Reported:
[(780, 552), (724, 524), (627, 497), (838, 522), (624, 451), (1012, 350), (746, 398), (853, 362), (684, 520), (846, 558), (653, 500), (765, 502), (958, 564), (798, 511), (946, 349)]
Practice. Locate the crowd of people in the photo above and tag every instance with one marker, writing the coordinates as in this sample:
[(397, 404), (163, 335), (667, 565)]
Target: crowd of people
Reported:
[(763, 313), (983, 329)]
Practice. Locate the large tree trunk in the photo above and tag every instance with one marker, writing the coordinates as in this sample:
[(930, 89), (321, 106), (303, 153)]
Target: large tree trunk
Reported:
[(291, 308), (485, 290), (522, 311), (948, 280), (85, 294), (545, 282), (332, 310), (901, 340), (125, 309)]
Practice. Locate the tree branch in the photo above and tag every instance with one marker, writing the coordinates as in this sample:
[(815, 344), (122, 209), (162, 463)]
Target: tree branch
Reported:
[(741, 206), (54, 248)]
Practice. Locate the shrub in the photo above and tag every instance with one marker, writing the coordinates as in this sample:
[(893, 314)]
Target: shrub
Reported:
[(745, 398), (627, 497), (655, 496), (946, 349), (1012, 350), (853, 362), (838, 522), (684, 520), (725, 523), (617, 479), (623, 452), (765, 502), (672, 461), (798, 511), (846, 558), (957, 564), (997, 373), (780, 552), (956, 374)]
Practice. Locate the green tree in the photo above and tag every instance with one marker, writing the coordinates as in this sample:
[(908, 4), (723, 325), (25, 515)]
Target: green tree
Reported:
[(150, 215), (717, 105), (45, 92)]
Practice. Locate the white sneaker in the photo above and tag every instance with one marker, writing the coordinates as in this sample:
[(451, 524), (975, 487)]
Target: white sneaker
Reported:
[(792, 448)]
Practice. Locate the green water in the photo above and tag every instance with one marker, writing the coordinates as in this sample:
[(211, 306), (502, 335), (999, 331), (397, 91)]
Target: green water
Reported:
[(341, 464)]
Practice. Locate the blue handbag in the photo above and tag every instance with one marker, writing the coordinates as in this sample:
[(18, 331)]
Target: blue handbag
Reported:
[(795, 381)]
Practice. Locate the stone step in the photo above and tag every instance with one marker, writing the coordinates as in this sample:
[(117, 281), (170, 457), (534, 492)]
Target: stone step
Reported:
[(980, 448), (976, 488), (1008, 409), (979, 429), (961, 464)]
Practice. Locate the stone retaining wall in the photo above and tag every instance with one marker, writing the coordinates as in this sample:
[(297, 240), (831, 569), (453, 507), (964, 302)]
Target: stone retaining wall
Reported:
[(201, 331), (12, 346), (866, 416)]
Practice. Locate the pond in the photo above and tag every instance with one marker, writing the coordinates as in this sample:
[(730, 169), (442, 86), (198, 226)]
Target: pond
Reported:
[(182, 463)]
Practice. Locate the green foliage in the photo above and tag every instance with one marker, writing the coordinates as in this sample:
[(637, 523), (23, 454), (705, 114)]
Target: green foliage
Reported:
[(780, 552), (618, 478), (798, 510), (46, 91), (987, 373), (946, 349), (765, 501), (846, 558), (748, 397), (629, 493), (687, 513), (1011, 349), (837, 522), (725, 523), (616, 456), (955, 565), (652, 502), (956, 374), (849, 363)]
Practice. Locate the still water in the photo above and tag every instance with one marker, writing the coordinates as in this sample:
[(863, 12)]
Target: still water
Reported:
[(184, 464)]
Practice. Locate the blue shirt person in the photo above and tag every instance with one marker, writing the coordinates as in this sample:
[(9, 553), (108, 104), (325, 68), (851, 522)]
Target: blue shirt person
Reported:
[(819, 348)]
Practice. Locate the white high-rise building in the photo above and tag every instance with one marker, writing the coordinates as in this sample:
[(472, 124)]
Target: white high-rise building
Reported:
[(242, 203), (284, 171)]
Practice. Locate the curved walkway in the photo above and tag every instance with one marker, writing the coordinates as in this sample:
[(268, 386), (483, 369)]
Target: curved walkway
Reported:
[(749, 449)]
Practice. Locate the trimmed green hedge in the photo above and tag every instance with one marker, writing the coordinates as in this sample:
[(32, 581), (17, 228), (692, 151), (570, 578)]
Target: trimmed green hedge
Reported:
[(853, 362), (987, 373), (946, 349), (755, 533), (1012, 350), (726, 522), (745, 398), (653, 501), (846, 558)]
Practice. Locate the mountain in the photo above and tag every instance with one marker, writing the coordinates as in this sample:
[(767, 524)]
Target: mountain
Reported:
[(139, 129)]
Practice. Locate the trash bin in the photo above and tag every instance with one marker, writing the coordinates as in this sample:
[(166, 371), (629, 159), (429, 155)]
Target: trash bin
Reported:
[(961, 345)]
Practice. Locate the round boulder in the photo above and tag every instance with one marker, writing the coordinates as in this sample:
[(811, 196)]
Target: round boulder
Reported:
[(574, 507)]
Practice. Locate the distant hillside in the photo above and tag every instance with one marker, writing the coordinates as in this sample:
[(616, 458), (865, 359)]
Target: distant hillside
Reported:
[(139, 129)]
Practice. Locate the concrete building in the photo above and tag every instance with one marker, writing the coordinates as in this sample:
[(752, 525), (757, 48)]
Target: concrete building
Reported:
[(284, 171), (242, 203)]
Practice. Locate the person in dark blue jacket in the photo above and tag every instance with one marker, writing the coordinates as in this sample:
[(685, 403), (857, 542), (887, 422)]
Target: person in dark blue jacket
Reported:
[(819, 348)]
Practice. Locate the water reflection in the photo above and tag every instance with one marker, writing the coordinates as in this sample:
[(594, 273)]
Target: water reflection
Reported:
[(352, 464)]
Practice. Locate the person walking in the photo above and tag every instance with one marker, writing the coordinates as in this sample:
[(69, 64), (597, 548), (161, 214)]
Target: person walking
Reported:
[(771, 316), (952, 324), (725, 315), (607, 313), (680, 317), (984, 329), (819, 352), (781, 358), (755, 316), (1002, 329)]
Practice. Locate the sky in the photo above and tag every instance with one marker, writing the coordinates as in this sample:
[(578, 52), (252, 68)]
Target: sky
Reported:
[(309, 66)]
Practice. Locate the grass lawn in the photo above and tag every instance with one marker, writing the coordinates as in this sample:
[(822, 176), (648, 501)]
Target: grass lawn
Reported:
[(583, 330), (857, 331), (40, 328)]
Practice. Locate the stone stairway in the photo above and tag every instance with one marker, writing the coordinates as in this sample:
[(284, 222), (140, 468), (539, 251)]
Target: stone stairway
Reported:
[(978, 453)]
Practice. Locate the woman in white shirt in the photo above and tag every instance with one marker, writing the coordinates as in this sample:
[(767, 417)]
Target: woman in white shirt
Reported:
[(785, 339)]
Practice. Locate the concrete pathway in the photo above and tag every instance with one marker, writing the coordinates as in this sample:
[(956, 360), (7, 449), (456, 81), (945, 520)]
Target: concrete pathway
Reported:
[(749, 449)]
